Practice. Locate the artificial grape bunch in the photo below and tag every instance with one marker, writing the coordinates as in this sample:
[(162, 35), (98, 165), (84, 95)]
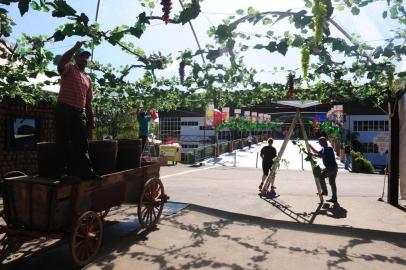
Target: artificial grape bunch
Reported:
[(319, 11), (182, 71), (305, 60), (166, 8)]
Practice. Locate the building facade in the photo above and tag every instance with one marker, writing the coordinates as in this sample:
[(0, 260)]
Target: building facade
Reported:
[(364, 122)]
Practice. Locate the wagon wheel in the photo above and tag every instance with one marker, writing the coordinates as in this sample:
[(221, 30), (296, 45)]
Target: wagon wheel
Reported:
[(86, 238), (3, 227), (151, 203), (103, 214), (9, 244)]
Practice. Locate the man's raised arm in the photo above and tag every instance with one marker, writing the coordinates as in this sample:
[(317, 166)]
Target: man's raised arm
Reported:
[(315, 152), (67, 56)]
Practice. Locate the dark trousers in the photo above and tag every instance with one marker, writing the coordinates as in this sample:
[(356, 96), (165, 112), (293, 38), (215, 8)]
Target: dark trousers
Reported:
[(144, 142), (331, 173), (72, 147), (266, 167)]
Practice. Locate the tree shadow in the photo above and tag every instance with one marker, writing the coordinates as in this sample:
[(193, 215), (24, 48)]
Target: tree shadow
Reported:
[(223, 226)]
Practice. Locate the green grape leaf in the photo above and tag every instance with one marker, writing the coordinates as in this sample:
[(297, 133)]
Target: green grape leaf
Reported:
[(23, 6)]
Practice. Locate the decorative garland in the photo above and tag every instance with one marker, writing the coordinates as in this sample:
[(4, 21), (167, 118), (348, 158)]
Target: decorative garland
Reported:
[(309, 157), (243, 124)]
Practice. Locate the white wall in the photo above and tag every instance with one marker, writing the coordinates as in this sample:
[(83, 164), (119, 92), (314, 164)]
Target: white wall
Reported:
[(188, 132)]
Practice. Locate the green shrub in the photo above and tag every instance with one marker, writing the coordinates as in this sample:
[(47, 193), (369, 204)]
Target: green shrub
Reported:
[(190, 157), (361, 164)]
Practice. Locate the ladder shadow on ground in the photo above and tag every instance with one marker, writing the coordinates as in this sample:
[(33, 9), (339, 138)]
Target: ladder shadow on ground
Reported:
[(331, 210)]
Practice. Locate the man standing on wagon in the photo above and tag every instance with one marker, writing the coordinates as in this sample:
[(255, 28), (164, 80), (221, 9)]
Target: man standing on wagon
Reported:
[(74, 114)]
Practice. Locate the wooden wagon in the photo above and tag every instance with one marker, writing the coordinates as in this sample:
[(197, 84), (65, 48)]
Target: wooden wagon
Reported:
[(74, 209)]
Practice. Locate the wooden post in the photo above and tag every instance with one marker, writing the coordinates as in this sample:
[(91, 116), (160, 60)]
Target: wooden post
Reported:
[(393, 180), (306, 139), (271, 177)]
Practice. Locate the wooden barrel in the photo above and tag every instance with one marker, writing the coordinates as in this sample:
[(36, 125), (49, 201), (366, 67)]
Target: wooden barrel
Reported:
[(47, 159), (129, 154), (103, 155)]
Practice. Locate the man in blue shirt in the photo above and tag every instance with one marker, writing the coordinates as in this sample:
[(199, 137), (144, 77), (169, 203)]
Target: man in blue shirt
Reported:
[(143, 120), (330, 170)]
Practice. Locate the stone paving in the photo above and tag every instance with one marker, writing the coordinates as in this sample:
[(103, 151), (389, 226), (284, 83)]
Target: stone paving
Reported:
[(226, 225)]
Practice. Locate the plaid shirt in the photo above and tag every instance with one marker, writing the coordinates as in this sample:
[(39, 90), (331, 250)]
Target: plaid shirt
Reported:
[(76, 89)]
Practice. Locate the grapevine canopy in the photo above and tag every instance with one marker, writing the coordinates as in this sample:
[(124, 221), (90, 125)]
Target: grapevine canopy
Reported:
[(145, 53)]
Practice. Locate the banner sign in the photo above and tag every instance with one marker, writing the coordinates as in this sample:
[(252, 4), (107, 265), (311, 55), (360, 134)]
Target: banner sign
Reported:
[(237, 113), (336, 114), (247, 115), (225, 113), (260, 117), (209, 117)]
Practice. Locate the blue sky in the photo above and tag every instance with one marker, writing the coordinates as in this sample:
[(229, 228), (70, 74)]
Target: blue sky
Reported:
[(174, 38)]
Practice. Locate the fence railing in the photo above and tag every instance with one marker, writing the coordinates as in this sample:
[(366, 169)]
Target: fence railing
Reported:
[(213, 150)]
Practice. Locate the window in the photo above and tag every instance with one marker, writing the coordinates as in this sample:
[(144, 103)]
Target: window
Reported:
[(370, 125), (381, 126), (365, 125), (190, 145), (355, 125), (169, 128), (192, 123), (370, 148), (376, 149), (22, 133), (206, 128)]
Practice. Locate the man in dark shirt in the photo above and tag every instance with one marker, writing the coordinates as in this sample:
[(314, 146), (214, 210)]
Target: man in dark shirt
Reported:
[(347, 151), (268, 153), (330, 170)]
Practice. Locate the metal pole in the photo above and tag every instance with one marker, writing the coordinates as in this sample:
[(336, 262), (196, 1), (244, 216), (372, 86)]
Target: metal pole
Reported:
[(235, 158), (194, 33), (302, 162), (97, 16), (256, 163), (393, 180)]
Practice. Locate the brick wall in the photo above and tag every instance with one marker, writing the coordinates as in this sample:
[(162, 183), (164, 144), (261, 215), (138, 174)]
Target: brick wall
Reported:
[(23, 160)]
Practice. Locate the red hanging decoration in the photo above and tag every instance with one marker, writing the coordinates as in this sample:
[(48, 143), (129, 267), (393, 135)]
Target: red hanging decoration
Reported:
[(182, 71), (291, 90), (327, 102), (166, 8)]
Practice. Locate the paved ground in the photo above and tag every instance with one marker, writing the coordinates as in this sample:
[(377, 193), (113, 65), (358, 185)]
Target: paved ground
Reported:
[(236, 190), (227, 226), (203, 238)]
